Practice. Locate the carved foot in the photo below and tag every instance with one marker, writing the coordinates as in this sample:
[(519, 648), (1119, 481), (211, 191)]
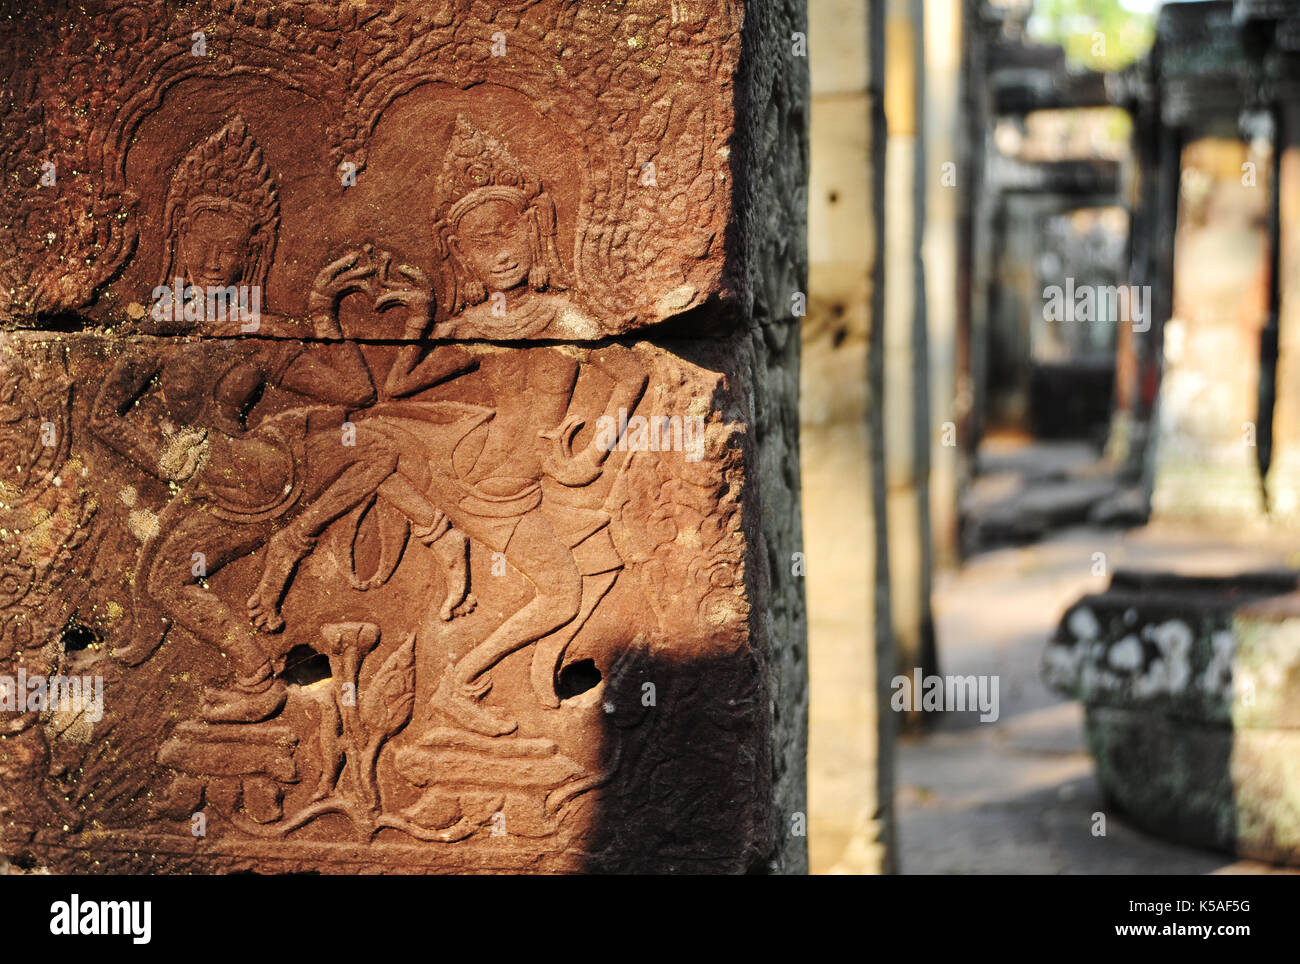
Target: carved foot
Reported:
[(264, 610), (453, 606), (283, 554), (240, 706), (452, 550), (547, 654), (374, 582), (454, 703)]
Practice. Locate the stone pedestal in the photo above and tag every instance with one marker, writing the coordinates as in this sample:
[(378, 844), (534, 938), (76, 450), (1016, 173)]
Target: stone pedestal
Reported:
[(399, 415), (1191, 718)]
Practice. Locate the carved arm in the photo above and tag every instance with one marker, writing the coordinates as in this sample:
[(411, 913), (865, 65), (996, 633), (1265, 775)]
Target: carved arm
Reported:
[(127, 382), (411, 374), (584, 467)]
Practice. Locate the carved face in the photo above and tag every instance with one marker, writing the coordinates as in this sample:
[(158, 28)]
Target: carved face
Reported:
[(495, 239), (214, 248)]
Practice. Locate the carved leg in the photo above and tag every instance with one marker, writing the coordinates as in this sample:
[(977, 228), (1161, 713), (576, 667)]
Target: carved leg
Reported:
[(256, 694), (398, 490), (452, 550), (352, 474), (549, 652), (543, 558), (286, 549), (450, 547), (365, 471)]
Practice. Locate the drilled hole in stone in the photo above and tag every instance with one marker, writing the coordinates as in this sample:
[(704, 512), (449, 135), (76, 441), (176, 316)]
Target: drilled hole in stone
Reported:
[(304, 666), (77, 637), (833, 196), (839, 337), (577, 678), (24, 861), (68, 321)]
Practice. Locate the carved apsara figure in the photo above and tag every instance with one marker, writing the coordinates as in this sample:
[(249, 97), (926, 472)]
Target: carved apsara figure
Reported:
[(525, 493), (222, 214), (496, 226), (240, 486)]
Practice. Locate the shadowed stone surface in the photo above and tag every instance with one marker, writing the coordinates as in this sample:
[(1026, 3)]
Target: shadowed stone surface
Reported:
[(1235, 791)]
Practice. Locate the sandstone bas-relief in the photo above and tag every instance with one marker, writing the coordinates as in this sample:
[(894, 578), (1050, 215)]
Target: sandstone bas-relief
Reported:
[(403, 612), (629, 142), (273, 484), (360, 596)]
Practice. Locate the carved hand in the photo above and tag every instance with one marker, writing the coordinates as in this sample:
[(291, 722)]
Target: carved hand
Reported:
[(561, 464), (407, 285), (182, 454), (348, 275)]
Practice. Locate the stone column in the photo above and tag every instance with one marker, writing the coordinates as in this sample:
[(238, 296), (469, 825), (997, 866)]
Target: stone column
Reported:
[(942, 64), (981, 201), (850, 635), (1206, 460), (1206, 448), (399, 418), (906, 399), (1284, 468), (1136, 358)]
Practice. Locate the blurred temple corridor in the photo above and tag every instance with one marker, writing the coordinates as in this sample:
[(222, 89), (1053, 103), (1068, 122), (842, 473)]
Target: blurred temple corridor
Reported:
[(1050, 436)]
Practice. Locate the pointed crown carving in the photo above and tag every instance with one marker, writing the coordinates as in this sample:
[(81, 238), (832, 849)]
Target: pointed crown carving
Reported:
[(226, 173)]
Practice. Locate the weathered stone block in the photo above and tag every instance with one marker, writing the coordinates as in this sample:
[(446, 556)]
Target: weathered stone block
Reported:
[(504, 600), (1236, 791), (1266, 667), (1160, 642), (592, 144), (1192, 720)]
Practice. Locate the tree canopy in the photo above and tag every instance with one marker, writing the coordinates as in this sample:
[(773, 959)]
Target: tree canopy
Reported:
[(1097, 34)]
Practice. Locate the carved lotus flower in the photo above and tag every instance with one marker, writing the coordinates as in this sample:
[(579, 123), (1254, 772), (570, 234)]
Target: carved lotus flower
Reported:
[(386, 702), (359, 638)]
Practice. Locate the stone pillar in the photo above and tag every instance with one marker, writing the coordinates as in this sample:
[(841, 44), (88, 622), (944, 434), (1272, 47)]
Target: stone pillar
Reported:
[(399, 413), (942, 63), (1206, 459), (1206, 451), (850, 634), (981, 201), (1271, 33), (1284, 468), (1136, 358), (906, 399)]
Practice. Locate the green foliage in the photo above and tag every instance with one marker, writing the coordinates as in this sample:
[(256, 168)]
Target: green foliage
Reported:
[(1096, 34)]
